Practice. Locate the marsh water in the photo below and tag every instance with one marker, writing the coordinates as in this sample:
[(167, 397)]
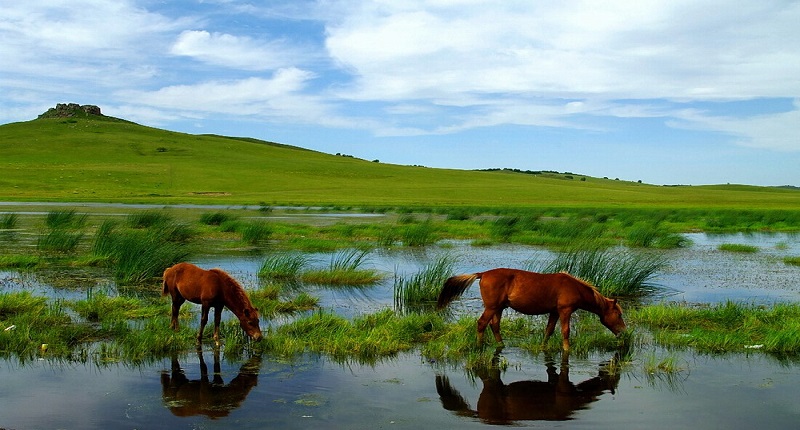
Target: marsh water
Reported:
[(207, 390)]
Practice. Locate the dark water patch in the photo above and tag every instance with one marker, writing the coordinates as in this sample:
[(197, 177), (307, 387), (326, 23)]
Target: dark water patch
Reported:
[(206, 391)]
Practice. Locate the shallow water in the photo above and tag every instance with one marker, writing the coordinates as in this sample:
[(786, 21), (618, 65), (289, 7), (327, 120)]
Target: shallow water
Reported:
[(731, 391)]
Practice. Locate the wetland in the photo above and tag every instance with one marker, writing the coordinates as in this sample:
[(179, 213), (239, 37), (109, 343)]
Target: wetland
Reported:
[(670, 372)]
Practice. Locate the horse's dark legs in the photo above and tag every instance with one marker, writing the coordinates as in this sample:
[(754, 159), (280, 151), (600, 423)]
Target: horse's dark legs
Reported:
[(490, 317), (217, 320), (565, 316), (551, 326), (176, 307), (203, 320)]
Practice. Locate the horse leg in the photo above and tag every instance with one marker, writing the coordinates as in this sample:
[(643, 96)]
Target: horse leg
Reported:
[(483, 321), (551, 326), (203, 321), (565, 328), (495, 325), (217, 319), (176, 307)]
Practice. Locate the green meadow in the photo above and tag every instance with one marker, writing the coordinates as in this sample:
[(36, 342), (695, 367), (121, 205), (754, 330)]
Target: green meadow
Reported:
[(104, 159)]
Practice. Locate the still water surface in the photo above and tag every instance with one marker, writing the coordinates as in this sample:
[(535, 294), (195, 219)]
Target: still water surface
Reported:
[(745, 390)]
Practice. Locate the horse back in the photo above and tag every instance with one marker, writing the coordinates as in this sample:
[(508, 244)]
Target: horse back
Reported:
[(191, 282), (528, 292)]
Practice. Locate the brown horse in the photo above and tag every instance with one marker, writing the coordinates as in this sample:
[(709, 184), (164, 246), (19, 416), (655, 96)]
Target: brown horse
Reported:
[(531, 293), (209, 288)]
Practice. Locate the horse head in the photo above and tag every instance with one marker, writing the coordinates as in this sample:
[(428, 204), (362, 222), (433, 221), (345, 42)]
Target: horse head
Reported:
[(611, 316), (249, 323)]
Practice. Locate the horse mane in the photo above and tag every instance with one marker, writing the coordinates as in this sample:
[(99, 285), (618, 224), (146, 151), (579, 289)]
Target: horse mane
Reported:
[(233, 289), (597, 294)]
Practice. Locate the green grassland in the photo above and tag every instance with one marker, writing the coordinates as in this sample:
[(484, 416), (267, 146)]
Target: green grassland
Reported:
[(104, 159)]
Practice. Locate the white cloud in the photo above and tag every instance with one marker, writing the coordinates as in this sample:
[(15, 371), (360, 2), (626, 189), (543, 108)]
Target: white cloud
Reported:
[(235, 52), (614, 49), (768, 131)]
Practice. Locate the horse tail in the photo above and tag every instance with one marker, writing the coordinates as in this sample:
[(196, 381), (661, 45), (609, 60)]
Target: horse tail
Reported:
[(165, 284), (454, 287)]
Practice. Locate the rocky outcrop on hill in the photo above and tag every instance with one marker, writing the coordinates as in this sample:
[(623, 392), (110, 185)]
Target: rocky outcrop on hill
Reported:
[(66, 110)]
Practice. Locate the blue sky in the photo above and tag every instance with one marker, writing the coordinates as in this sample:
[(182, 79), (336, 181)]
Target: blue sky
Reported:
[(666, 92)]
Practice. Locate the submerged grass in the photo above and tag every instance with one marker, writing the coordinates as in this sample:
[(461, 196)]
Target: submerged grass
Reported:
[(738, 247)]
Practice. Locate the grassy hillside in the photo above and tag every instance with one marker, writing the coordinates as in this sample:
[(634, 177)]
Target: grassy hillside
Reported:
[(97, 158)]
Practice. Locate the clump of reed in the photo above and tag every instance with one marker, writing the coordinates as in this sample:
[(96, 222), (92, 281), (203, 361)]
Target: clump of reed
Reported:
[(738, 247), (418, 234), (65, 220), (148, 218), (345, 268), (216, 218), (62, 234), (615, 273), (283, 266), (255, 232), (421, 290), (653, 235), (139, 255), (9, 221), (792, 261)]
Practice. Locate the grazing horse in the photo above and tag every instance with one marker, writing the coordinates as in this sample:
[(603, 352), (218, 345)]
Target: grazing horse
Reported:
[(209, 288), (531, 293)]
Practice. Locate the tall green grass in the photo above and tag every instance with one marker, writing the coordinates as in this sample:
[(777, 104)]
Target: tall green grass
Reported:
[(345, 268), (614, 272), (283, 266), (216, 218), (421, 290), (68, 219), (8, 221), (139, 255), (255, 232)]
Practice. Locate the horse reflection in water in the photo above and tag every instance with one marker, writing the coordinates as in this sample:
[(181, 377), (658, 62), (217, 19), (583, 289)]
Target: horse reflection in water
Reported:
[(212, 398), (556, 399)]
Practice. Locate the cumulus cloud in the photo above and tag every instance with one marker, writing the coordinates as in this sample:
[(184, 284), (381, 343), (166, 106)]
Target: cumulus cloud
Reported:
[(235, 52), (614, 49)]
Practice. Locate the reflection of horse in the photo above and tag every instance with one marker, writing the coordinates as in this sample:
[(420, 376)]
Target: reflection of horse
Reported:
[(214, 399), (556, 294), (209, 288), (553, 400)]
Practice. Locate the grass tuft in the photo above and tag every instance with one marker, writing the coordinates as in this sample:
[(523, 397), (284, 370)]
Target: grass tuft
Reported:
[(421, 290), (614, 272), (345, 268)]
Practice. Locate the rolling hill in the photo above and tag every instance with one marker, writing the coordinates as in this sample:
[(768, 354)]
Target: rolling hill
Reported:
[(87, 157)]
